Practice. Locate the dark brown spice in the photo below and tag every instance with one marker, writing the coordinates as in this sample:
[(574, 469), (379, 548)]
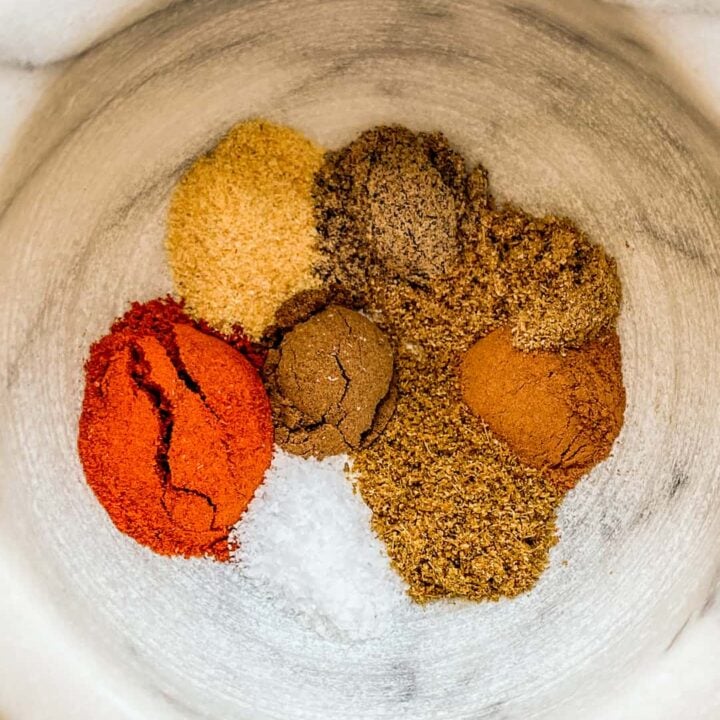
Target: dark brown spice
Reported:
[(330, 383), (390, 202)]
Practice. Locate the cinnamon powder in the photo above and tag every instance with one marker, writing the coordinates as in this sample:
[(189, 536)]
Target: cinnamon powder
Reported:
[(559, 413)]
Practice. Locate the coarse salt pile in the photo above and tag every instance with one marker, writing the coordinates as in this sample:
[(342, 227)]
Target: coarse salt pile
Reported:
[(305, 542)]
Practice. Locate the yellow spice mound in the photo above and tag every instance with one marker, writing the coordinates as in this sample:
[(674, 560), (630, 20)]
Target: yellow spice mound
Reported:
[(241, 231)]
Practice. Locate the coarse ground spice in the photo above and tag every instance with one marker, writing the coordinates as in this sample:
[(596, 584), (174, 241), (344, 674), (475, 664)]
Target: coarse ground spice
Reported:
[(241, 232), (175, 432), (558, 289), (460, 514), (542, 276)]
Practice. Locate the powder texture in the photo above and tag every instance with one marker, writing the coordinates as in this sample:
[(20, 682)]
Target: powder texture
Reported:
[(175, 432), (241, 231), (558, 413), (330, 383), (390, 202), (460, 515), (306, 543)]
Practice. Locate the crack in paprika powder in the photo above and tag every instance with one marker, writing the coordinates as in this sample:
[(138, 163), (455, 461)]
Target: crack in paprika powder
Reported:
[(175, 431), (139, 372)]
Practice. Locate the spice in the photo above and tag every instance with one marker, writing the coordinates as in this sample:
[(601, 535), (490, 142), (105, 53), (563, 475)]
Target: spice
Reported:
[(302, 306), (241, 231), (558, 413), (175, 433), (558, 289), (390, 202), (330, 383), (306, 543), (461, 515)]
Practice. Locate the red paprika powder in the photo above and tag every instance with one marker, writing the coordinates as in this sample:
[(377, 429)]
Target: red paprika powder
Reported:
[(176, 432)]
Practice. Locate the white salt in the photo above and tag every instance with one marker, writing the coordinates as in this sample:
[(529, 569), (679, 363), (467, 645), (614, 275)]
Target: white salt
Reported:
[(306, 543)]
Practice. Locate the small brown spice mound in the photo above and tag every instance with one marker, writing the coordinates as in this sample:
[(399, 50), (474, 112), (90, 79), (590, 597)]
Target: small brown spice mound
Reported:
[(559, 413), (241, 230), (558, 289), (390, 202), (330, 384)]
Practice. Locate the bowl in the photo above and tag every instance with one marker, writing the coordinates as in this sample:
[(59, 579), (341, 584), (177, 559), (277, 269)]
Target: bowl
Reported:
[(573, 113)]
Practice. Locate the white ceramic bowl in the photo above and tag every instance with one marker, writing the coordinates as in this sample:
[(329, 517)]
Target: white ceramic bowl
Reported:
[(571, 113)]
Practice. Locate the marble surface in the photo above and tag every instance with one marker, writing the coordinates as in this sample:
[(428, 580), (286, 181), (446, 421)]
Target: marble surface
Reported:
[(671, 666)]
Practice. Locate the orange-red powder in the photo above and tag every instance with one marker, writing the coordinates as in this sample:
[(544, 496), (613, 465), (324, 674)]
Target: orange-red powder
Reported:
[(560, 413), (175, 432)]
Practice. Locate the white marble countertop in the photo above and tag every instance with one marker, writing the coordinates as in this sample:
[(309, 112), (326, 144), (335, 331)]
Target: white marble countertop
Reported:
[(41, 674)]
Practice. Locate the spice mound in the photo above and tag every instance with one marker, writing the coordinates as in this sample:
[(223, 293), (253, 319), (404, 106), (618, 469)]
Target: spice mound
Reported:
[(241, 232), (558, 289), (390, 201), (175, 432), (330, 383), (559, 413)]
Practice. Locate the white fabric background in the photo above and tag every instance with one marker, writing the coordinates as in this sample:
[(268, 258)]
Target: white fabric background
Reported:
[(41, 673)]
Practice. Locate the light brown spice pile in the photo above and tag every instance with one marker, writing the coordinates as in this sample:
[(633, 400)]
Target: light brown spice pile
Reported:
[(461, 516), (459, 513), (241, 231), (558, 289)]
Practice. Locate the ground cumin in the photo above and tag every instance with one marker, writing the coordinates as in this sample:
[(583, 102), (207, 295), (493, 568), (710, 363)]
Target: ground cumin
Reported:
[(460, 515)]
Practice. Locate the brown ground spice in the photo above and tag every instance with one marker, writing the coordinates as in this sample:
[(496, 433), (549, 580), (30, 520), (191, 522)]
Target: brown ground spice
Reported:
[(390, 203), (560, 413), (330, 383), (460, 514), (557, 288)]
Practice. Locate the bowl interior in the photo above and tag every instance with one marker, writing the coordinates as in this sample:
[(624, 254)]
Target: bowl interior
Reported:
[(571, 114)]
